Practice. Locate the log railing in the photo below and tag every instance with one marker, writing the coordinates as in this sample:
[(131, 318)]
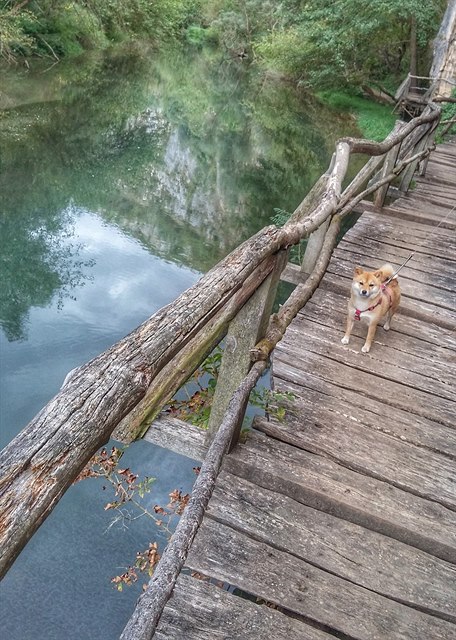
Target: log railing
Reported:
[(119, 392)]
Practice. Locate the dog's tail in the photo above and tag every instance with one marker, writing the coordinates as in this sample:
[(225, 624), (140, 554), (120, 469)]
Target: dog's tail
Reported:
[(386, 272)]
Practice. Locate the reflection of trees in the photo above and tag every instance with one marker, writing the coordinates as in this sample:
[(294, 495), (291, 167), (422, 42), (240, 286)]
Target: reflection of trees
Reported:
[(189, 168), (37, 262)]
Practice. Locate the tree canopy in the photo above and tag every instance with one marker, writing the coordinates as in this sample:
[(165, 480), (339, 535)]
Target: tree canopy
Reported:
[(318, 43)]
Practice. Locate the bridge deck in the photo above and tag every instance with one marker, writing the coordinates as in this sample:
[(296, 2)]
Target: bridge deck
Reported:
[(340, 521)]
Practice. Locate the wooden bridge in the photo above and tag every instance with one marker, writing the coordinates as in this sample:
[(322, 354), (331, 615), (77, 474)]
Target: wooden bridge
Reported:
[(339, 521)]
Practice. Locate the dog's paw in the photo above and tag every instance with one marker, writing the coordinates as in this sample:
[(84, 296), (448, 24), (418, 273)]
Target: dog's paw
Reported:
[(386, 326), (345, 340), (365, 348)]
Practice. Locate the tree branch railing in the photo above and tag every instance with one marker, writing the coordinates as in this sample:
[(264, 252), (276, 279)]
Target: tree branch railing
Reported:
[(119, 392)]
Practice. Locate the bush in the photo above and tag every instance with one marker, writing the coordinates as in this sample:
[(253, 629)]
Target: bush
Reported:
[(449, 113), (374, 120), (67, 27)]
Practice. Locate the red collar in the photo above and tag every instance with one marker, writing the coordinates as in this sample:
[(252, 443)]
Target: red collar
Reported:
[(358, 312)]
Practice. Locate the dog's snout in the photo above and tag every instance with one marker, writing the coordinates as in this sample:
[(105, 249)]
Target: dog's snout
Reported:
[(364, 292)]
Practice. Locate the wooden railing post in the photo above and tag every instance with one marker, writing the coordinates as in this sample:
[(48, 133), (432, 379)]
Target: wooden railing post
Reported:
[(313, 248), (429, 142), (409, 172), (388, 166), (316, 239), (245, 330)]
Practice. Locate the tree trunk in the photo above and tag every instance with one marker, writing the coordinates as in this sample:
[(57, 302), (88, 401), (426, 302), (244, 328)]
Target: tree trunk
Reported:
[(413, 54)]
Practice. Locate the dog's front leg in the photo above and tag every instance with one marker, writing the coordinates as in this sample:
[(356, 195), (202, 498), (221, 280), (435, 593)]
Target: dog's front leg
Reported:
[(350, 323), (370, 336)]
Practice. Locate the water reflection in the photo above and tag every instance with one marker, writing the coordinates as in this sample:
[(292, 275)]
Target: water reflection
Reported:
[(38, 263), (189, 168)]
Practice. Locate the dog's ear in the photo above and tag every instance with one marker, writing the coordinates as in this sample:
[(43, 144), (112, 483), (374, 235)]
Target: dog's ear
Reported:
[(358, 270), (379, 274)]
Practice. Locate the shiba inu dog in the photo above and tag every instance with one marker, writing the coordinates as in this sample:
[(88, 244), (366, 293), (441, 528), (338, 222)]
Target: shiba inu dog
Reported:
[(374, 295)]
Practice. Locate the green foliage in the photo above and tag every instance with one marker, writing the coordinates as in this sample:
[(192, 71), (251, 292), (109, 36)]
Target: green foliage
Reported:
[(55, 28), (320, 44), (374, 120), (238, 24), (279, 218), (198, 36), (14, 33), (349, 42), (127, 488), (196, 407), (448, 113), (275, 403)]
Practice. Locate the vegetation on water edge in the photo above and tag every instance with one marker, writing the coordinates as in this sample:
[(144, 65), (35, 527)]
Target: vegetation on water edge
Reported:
[(319, 44), (448, 119), (56, 28), (374, 120), (195, 406)]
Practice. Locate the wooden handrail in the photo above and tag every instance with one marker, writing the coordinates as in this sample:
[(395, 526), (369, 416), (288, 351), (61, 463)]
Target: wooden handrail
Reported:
[(130, 382), (151, 603)]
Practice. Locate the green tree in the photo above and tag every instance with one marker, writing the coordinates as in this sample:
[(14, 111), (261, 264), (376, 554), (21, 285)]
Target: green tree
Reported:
[(55, 28), (351, 42)]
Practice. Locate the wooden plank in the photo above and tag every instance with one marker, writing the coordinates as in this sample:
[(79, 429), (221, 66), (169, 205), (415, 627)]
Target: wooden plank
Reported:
[(394, 244), (421, 337), (373, 414), (199, 610), (428, 312), (397, 349), (410, 274), (366, 558), (395, 364), (285, 580), (351, 444), (412, 244), (420, 213), (422, 292), (411, 235), (344, 365), (323, 484), (178, 436), (384, 252), (430, 200)]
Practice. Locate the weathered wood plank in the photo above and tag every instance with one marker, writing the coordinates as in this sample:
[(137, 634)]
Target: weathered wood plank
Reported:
[(199, 610), (383, 252), (412, 213), (366, 558), (416, 289), (285, 580), (409, 234), (375, 414), (425, 311), (433, 200), (416, 336), (410, 276), (178, 436), (325, 485), (343, 365), (393, 348), (351, 444), (381, 222), (414, 244)]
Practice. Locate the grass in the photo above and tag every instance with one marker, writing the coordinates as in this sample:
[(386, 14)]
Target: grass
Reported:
[(374, 120)]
